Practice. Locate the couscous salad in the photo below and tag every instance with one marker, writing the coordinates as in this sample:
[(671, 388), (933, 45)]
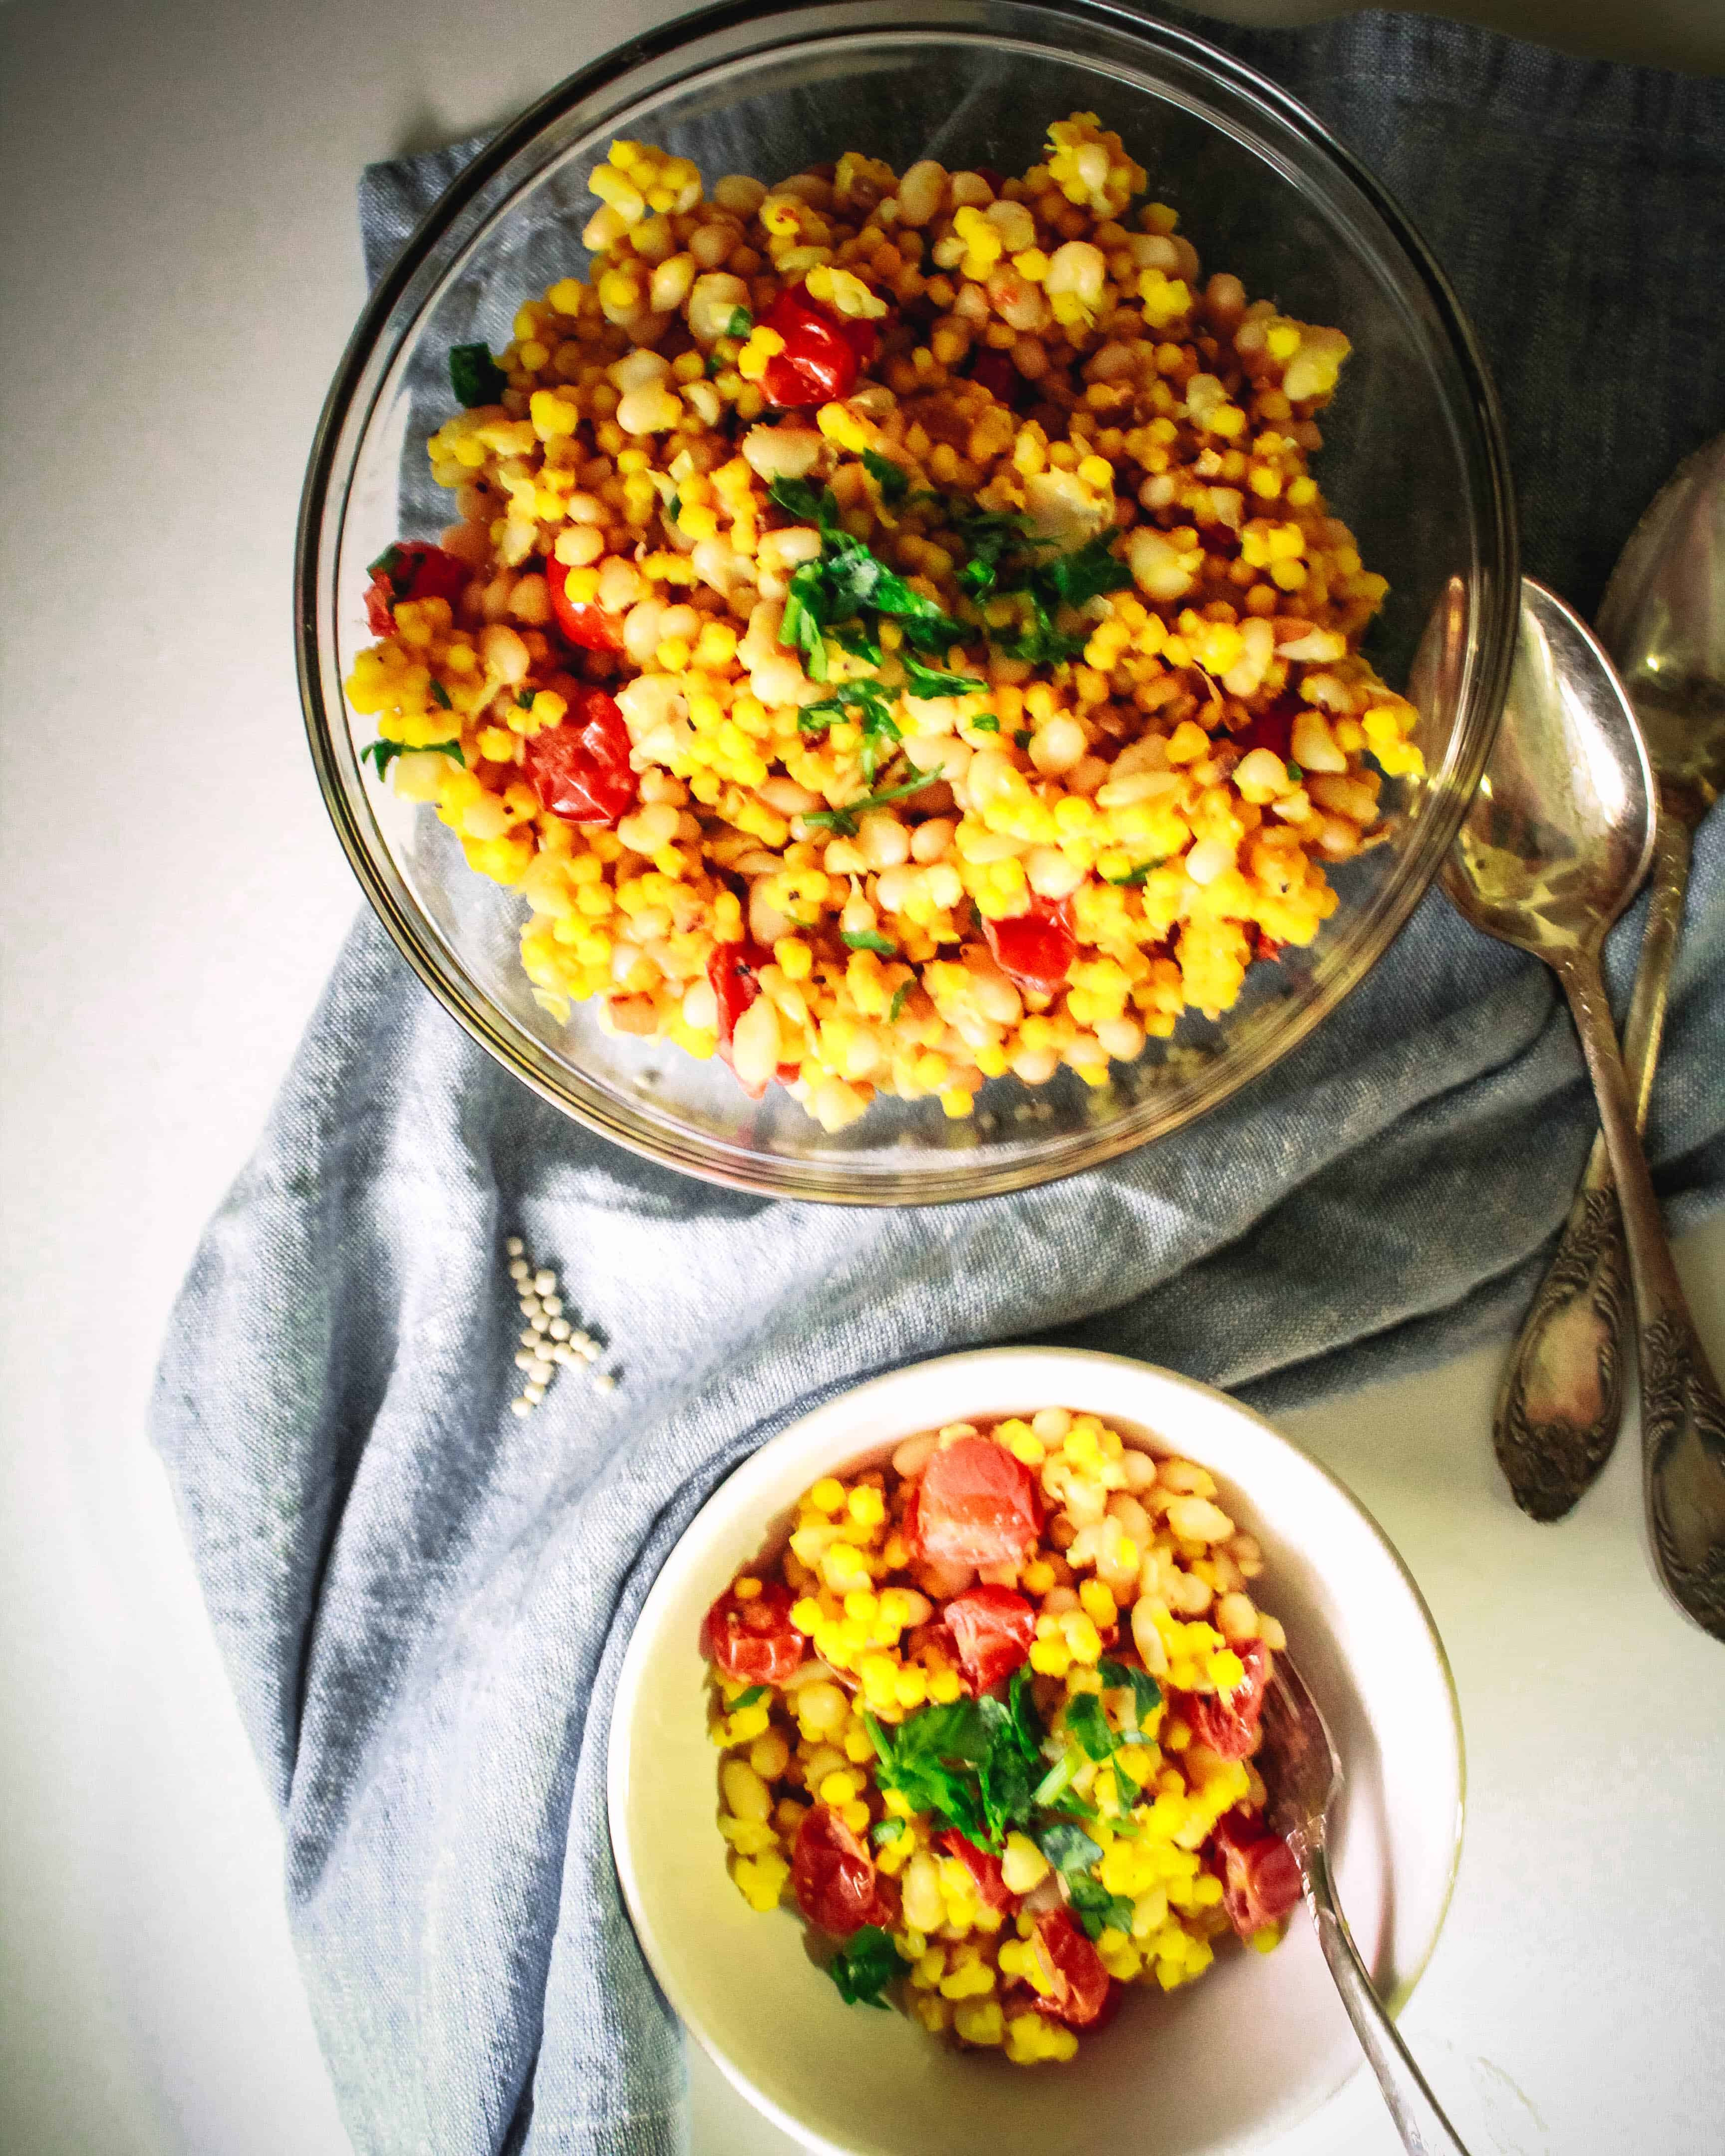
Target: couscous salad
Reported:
[(989, 1719), (891, 635)]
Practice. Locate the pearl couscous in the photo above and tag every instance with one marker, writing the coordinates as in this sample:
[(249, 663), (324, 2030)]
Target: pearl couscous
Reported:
[(990, 1718), (891, 636)]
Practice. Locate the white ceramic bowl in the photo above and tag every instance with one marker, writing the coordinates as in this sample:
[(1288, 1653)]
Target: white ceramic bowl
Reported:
[(1226, 2065)]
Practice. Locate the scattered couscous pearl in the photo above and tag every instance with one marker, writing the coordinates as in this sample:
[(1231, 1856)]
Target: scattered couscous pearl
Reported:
[(518, 1270), (604, 1382), (560, 1328), (514, 1247), (545, 1281), (563, 1353), (587, 1350), (538, 1322), (553, 1305), (581, 1341), (524, 1358), (523, 1407), (539, 1372), (533, 1392), (529, 1339)]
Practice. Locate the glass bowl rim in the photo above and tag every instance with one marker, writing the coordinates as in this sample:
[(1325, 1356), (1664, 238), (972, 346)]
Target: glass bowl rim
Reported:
[(923, 1181)]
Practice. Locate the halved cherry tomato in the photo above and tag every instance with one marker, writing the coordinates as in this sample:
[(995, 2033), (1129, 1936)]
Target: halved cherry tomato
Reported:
[(991, 1885), (1260, 1880), (1273, 728), (975, 1505), (1035, 949), (580, 768), (735, 971), (1230, 1725), (993, 1628), (833, 1876), (1000, 378), (1080, 1983), (413, 570), (755, 1642), (823, 350), (580, 620)]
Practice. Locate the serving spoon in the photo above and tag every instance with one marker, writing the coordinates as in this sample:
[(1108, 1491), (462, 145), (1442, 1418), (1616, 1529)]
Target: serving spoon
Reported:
[(1663, 621), (1554, 847), (1303, 1777)]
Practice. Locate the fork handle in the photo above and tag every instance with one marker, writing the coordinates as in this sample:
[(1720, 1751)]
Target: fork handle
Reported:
[(1418, 2116)]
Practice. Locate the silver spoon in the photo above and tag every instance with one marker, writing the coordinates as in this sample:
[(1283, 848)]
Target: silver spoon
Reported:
[(1303, 1777), (1663, 621), (1554, 845)]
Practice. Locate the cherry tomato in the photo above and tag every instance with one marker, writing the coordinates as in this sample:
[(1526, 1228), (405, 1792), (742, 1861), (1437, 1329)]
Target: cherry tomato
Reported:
[(411, 570), (755, 1642), (823, 350), (1035, 949), (833, 1876), (580, 621), (1230, 1725), (1081, 1984), (580, 768), (993, 1628), (1000, 378), (735, 971), (1260, 1880), (1273, 728), (975, 1505), (990, 1880)]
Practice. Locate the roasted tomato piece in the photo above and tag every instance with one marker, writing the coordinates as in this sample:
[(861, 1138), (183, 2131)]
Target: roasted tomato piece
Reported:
[(998, 374), (975, 1505), (1081, 1987), (1230, 1725), (411, 570), (755, 1642), (580, 768), (1273, 728), (1260, 1880), (833, 1876), (992, 1629), (1036, 948), (823, 350), (735, 971), (991, 1885), (580, 621)]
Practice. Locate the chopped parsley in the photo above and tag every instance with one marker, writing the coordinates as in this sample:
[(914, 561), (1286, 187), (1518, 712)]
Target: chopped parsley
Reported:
[(985, 722), (674, 509), (885, 1831), (1294, 771), (440, 695), (1147, 1693), (1022, 738), (843, 820), (741, 323), (1067, 1846), (900, 996), (865, 1965), (924, 681), (1095, 1908), (969, 1762), (1073, 579), (867, 939), (872, 704), (747, 1698), (891, 479), (1133, 878), (524, 698), (386, 564), (383, 753), (1088, 1727), (475, 376)]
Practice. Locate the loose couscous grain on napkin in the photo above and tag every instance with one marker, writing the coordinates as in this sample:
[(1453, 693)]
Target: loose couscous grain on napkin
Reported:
[(422, 1600)]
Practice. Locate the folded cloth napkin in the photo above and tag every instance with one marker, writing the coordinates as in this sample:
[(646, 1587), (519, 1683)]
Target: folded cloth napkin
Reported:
[(423, 1600)]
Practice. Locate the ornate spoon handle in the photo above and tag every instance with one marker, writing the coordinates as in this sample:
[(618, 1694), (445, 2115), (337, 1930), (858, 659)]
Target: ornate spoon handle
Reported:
[(1683, 1411), (1562, 1398), (1419, 2118)]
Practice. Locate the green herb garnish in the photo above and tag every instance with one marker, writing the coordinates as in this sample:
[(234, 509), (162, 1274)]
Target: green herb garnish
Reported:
[(439, 694), (524, 698), (843, 820), (1088, 1727), (747, 1698), (985, 722), (674, 509), (900, 996), (811, 505), (885, 1830), (741, 323), (1073, 579), (969, 1762), (866, 939), (475, 376), (874, 707), (1067, 1846), (1147, 1693), (1095, 1908), (1294, 770), (891, 479), (383, 753), (924, 681), (865, 1965), (386, 564), (1133, 877), (1022, 738)]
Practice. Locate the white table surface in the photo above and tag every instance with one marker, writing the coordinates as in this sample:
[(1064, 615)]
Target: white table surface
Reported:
[(180, 271)]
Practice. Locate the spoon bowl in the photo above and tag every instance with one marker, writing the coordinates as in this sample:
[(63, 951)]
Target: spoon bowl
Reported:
[(1559, 835)]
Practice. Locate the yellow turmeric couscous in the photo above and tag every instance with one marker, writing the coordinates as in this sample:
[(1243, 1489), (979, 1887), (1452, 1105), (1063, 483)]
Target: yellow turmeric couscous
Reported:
[(989, 1718), (891, 637)]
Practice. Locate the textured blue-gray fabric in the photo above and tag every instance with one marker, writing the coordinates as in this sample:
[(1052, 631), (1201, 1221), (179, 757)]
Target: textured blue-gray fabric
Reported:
[(423, 1600)]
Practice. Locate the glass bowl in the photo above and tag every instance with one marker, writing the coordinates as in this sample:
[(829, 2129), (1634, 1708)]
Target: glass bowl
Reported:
[(1414, 461)]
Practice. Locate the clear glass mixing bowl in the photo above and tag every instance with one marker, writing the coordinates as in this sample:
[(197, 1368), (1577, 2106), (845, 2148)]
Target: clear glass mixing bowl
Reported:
[(1414, 461)]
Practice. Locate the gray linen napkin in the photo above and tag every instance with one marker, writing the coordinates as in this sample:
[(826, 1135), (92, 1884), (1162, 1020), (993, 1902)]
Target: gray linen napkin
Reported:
[(424, 1601)]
